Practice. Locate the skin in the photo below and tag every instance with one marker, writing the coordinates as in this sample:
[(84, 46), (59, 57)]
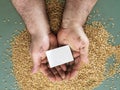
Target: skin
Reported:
[(34, 15), (71, 33)]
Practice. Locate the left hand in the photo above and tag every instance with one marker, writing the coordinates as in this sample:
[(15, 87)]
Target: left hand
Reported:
[(79, 43), (40, 44)]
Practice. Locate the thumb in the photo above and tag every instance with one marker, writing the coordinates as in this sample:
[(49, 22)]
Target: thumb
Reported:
[(37, 55), (84, 55), (35, 69), (36, 63), (84, 59)]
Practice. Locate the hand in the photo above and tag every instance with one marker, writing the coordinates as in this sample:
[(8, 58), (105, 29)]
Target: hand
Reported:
[(79, 43), (40, 44)]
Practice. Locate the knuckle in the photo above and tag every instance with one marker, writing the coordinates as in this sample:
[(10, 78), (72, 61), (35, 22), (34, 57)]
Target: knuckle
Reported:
[(58, 68)]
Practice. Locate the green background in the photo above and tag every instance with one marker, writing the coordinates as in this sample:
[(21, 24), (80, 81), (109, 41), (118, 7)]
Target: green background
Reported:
[(10, 21)]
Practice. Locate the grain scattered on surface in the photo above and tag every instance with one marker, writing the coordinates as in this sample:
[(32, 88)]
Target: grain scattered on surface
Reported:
[(88, 77)]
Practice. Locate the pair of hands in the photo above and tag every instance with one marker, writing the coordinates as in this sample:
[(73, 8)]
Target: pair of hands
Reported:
[(78, 42)]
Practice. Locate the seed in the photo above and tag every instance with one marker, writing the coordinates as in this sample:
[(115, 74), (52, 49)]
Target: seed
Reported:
[(8, 20), (0, 37), (4, 21), (111, 19), (20, 23), (94, 11), (5, 43), (99, 15), (99, 51), (118, 35), (15, 22)]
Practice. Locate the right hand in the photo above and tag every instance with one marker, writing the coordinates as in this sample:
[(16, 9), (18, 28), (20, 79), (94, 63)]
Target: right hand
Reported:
[(39, 45), (79, 43)]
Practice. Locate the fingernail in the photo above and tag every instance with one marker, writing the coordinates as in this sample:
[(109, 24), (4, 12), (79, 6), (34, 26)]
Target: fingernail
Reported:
[(63, 76)]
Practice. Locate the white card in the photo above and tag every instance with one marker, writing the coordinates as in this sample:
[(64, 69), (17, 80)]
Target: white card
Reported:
[(59, 56)]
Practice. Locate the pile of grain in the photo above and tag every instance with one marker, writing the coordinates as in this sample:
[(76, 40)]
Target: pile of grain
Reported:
[(89, 76)]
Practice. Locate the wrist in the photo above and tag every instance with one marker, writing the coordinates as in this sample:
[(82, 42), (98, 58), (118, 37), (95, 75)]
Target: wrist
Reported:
[(39, 36), (38, 33), (67, 23), (39, 30)]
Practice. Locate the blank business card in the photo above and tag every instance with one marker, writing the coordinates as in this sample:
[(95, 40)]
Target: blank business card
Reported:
[(59, 56)]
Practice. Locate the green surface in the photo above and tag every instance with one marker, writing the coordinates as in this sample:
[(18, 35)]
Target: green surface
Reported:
[(10, 21)]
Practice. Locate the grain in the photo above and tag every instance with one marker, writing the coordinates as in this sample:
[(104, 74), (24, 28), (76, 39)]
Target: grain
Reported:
[(0, 37), (15, 22), (8, 20), (55, 11), (111, 19), (20, 23), (89, 76), (4, 20)]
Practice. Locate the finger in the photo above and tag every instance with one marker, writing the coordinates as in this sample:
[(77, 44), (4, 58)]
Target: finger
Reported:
[(47, 72), (68, 71), (54, 71), (44, 61), (36, 63), (35, 69), (51, 77), (67, 76), (71, 63), (56, 74), (84, 55), (52, 46), (64, 67), (73, 73), (75, 67), (60, 71), (44, 69), (69, 68), (76, 54), (77, 63)]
